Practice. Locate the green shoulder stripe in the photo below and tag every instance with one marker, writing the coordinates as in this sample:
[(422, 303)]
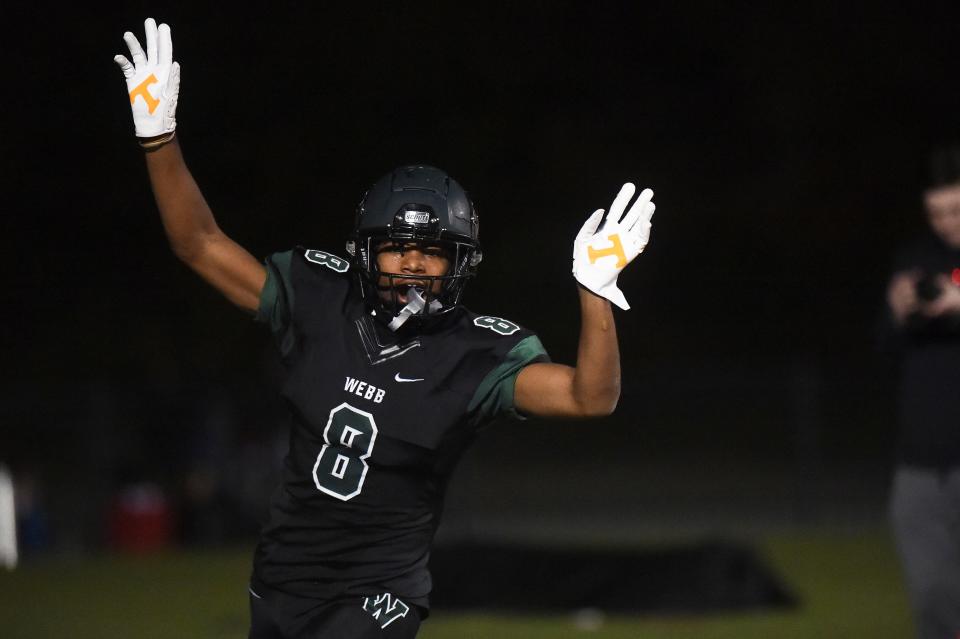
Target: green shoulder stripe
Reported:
[(276, 298), (494, 396)]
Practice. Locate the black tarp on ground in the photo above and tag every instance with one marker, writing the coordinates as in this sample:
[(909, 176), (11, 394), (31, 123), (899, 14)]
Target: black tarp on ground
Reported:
[(704, 577)]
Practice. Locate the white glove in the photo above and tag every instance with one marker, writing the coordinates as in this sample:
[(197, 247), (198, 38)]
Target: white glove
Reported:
[(600, 254), (153, 81)]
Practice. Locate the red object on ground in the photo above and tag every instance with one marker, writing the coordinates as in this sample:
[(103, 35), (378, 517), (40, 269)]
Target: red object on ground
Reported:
[(140, 520)]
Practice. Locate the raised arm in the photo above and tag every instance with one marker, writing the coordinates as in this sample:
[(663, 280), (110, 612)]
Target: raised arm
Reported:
[(194, 235), (153, 83), (592, 387)]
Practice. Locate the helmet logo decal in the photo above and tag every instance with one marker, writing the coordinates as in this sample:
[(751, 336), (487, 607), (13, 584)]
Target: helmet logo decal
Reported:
[(416, 217), (616, 249)]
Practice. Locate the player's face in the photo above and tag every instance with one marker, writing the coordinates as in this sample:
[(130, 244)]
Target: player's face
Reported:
[(943, 213), (410, 260)]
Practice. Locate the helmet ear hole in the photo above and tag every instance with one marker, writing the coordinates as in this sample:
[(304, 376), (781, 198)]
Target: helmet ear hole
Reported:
[(351, 247), (475, 259)]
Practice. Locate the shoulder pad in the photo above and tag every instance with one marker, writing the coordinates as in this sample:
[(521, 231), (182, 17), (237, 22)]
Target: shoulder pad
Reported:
[(329, 260)]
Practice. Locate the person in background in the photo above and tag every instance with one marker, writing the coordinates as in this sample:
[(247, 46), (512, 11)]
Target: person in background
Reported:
[(921, 326)]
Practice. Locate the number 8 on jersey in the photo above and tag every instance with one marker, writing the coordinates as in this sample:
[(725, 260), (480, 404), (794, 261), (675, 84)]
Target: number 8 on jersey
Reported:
[(349, 435)]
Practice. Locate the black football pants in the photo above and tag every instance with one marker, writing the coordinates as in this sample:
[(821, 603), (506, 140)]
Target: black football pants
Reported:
[(276, 615)]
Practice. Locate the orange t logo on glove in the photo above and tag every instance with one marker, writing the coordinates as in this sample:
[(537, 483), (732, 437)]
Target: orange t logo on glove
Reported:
[(616, 249), (141, 90)]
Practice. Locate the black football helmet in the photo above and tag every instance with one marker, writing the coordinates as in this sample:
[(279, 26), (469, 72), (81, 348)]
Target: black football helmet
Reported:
[(423, 205)]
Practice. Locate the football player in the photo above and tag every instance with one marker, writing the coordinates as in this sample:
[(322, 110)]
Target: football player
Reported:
[(388, 377)]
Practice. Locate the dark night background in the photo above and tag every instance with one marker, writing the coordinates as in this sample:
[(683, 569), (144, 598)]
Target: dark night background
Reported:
[(785, 146)]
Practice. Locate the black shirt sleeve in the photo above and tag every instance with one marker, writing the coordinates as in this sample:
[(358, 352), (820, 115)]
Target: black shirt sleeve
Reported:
[(277, 299)]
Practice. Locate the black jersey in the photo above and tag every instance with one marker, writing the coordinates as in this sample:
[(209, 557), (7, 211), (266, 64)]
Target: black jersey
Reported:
[(379, 421), (928, 401)]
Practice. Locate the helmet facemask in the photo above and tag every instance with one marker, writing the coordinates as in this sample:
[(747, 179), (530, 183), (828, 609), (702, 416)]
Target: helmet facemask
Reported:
[(413, 294)]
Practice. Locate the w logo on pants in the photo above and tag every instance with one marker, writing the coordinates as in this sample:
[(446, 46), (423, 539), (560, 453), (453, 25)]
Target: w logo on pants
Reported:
[(385, 608)]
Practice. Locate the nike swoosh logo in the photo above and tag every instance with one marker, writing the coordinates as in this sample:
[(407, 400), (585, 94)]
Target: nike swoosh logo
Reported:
[(404, 379)]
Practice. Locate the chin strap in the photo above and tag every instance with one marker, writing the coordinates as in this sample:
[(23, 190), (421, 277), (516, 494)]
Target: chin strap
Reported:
[(414, 306)]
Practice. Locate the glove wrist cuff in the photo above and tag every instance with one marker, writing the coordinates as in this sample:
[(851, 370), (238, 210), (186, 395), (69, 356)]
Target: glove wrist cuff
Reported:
[(150, 144), (590, 287), (608, 292)]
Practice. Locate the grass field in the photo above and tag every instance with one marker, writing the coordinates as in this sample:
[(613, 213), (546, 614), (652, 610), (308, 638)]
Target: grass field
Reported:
[(848, 586)]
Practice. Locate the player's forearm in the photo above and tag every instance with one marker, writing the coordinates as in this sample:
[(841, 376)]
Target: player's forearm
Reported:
[(596, 378), (187, 219)]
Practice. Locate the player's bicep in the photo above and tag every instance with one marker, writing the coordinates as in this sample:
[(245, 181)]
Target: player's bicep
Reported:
[(230, 269), (546, 390)]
